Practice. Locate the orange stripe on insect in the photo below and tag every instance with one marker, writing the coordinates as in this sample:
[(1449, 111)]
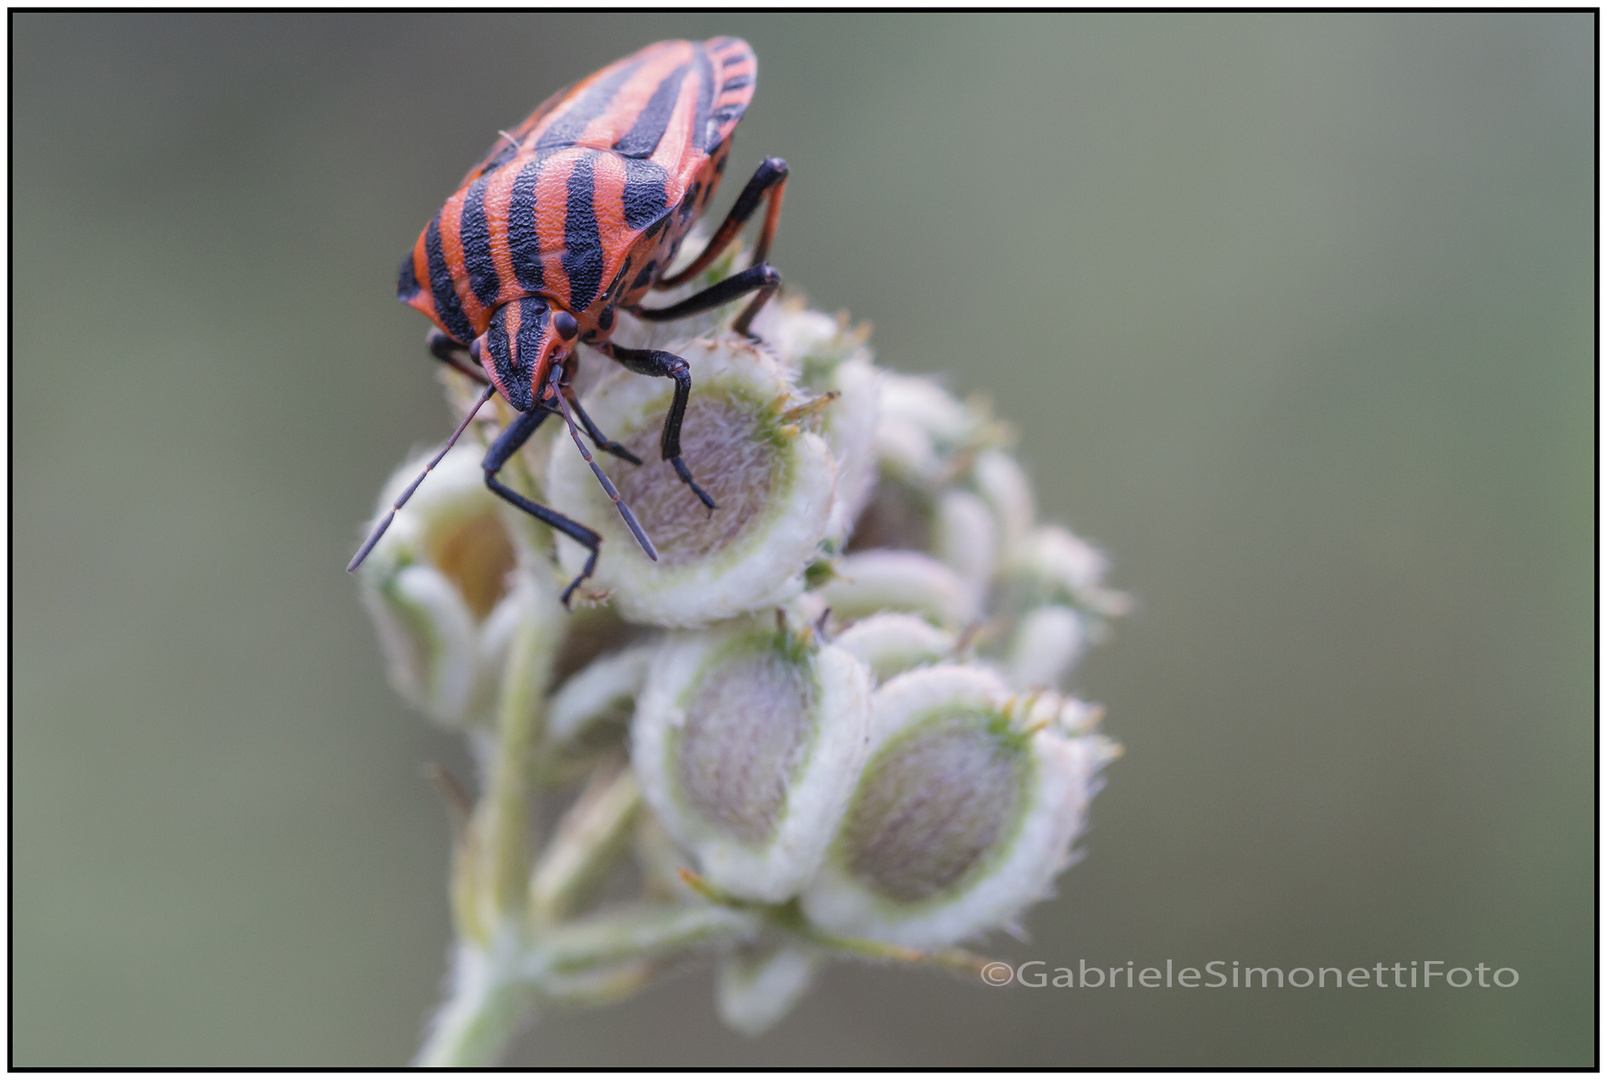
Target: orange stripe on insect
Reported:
[(498, 194), (452, 249), (552, 213), (608, 208), (423, 300), (673, 147), (632, 98)]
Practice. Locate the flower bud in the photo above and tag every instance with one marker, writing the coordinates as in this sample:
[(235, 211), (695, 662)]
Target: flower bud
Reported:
[(967, 540), (1046, 645), (773, 483), (1003, 485), (891, 643), (871, 581), (965, 811), (604, 690), (757, 987), (922, 427), (443, 589), (746, 742), (1053, 565), (850, 431), (829, 356)]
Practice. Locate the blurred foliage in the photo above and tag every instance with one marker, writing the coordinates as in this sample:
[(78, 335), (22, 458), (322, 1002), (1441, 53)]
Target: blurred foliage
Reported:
[(1295, 315)]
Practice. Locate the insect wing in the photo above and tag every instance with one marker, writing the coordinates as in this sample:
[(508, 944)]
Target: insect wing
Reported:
[(555, 207), (504, 149)]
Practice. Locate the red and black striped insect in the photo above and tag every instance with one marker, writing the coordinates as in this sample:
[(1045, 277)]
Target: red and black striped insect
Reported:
[(572, 217)]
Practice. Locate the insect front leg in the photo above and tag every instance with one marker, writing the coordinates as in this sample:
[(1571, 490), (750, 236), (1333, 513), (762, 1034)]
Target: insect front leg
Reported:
[(770, 178), (762, 278), (514, 436), (601, 441), (669, 366)]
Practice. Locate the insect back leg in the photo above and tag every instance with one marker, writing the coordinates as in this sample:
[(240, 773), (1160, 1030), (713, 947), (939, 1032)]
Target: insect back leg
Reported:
[(667, 366), (507, 444), (770, 178), (762, 278)]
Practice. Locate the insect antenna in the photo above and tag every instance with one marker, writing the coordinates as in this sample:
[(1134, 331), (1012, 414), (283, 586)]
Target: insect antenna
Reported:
[(602, 478), (379, 530)]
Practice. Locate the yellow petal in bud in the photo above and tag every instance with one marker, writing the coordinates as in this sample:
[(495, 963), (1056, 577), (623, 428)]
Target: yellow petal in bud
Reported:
[(443, 588)]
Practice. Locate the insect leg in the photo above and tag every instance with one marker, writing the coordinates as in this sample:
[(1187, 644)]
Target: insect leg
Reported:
[(608, 485), (770, 178), (602, 442), (514, 436), (669, 366), (763, 278), (452, 353)]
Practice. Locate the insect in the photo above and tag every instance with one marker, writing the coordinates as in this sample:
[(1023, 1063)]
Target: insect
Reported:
[(572, 217)]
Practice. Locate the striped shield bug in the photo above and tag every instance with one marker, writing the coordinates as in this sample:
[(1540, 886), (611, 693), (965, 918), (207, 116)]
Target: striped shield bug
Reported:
[(572, 217)]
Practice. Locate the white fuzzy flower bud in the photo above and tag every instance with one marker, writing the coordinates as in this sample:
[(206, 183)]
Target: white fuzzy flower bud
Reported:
[(966, 538), (850, 430), (773, 481), (831, 357), (891, 643), (964, 813), (442, 588), (602, 691), (871, 581), (920, 423), (1054, 566), (1004, 486), (1045, 647), (747, 742), (757, 987)]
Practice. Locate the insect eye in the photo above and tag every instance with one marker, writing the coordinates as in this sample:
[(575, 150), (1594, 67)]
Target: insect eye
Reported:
[(564, 323)]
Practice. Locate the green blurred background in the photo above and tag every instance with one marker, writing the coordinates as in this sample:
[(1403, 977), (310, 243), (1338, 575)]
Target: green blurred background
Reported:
[(1295, 316)]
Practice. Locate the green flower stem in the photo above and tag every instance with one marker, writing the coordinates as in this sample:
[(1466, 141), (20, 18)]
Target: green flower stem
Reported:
[(488, 1001), (634, 933), (601, 986), (790, 918), (485, 1010), (602, 958), (586, 843), (505, 806)]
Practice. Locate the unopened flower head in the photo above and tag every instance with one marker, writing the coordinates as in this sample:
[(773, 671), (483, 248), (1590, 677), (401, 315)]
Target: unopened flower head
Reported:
[(838, 692), (965, 812), (759, 984), (747, 441), (443, 588), (891, 642), (828, 356), (1052, 565), (747, 742)]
